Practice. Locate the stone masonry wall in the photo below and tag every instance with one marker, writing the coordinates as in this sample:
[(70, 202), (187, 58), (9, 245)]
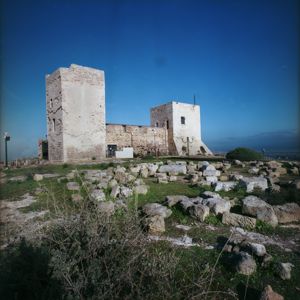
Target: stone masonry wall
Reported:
[(145, 140)]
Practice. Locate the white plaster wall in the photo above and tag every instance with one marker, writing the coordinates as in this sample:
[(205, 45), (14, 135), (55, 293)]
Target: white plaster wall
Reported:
[(125, 153), (83, 102)]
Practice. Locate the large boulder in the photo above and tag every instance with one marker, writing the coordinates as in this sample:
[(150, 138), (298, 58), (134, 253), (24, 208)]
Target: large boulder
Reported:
[(289, 212), (199, 211), (217, 205), (233, 219), (256, 207), (173, 169), (156, 209), (250, 183), (155, 224)]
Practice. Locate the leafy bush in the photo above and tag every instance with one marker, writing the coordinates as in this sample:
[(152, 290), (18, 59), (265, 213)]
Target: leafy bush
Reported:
[(244, 154)]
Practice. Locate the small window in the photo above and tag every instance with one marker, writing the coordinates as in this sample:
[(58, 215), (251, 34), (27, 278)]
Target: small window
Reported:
[(156, 124), (167, 124), (53, 125), (183, 120)]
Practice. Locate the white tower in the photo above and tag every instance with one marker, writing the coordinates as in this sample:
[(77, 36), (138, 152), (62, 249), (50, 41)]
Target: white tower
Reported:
[(184, 129), (75, 101)]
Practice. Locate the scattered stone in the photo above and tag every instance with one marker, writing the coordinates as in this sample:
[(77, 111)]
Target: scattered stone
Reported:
[(215, 173), (253, 171), (246, 265), (173, 178), (202, 165), (98, 195), (126, 191), (144, 173), (140, 190), (233, 219), (155, 224), (152, 168), (77, 198), (258, 249), (38, 177), (20, 178), (185, 204), (225, 186), (296, 184), (254, 182), (115, 191), (284, 270), (209, 194), (53, 175), (183, 227), (154, 209), (173, 169), (211, 179), (199, 212), (269, 294), (106, 207), (162, 180), (217, 205), (224, 178), (287, 213), (73, 186), (174, 199), (254, 206)]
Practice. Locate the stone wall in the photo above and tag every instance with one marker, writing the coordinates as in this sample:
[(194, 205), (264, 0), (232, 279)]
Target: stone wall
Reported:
[(145, 140)]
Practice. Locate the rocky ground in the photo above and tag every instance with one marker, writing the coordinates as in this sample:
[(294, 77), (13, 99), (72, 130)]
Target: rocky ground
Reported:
[(249, 213)]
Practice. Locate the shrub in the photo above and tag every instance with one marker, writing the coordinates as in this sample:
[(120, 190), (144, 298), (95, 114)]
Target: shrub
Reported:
[(244, 154)]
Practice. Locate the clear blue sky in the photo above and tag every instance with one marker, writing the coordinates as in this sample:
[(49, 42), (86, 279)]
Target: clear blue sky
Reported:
[(240, 58)]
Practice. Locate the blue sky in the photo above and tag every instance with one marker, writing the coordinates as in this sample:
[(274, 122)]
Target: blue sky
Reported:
[(240, 59)]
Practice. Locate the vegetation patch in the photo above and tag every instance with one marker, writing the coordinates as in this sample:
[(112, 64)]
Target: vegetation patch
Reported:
[(244, 154)]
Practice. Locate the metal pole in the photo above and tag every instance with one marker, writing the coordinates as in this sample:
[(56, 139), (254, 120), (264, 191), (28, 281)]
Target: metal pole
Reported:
[(5, 152)]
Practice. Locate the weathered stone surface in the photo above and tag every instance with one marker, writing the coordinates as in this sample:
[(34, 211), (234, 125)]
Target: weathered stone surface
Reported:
[(98, 195), (202, 165), (246, 265), (253, 171), (174, 199), (140, 189), (20, 178), (289, 212), (250, 183), (77, 198), (106, 207), (38, 177), (185, 203), (225, 186), (233, 219), (115, 191), (258, 249), (113, 183), (135, 170), (152, 168), (269, 294), (126, 191), (253, 206), (162, 180), (209, 194), (155, 224), (207, 172), (73, 186), (173, 178), (154, 209), (297, 184), (217, 205), (212, 179), (173, 169), (284, 270), (144, 173), (199, 211)]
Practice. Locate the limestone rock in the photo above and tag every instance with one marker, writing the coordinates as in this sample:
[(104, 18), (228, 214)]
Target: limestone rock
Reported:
[(185, 204), (174, 199), (77, 198), (289, 212), (258, 249), (284, 270), (250, 183), (209, 194), (211, 179), (98, 195), (73, 186), (126, 191), (207, 172), (173, 178), (20, 178), (140, 189), (38, 177), (162, 180), (225, 186), (233, 219), (106, 207), (144, 173), (246, 265), (296, 184), (269, 294), (173, 169), (217, 205), (152, 168), (156, 209), (115, 191), (199, 211), (155, 224), (253, 206)]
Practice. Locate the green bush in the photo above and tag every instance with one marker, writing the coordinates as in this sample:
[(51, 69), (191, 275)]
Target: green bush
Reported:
[(244, 154)]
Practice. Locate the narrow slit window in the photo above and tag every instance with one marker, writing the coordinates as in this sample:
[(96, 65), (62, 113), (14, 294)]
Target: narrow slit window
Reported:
[(51, 103), (167, 124), (53, 125), (156, 124), (182, 120)]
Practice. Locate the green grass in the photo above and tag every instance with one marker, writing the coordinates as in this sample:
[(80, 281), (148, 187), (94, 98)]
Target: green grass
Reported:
[(13, 190)]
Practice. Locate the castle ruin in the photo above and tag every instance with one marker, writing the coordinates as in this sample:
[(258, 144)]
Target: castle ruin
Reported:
[(77, 128)]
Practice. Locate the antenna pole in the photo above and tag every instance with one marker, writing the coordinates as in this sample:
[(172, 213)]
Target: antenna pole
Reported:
[(194, 99)]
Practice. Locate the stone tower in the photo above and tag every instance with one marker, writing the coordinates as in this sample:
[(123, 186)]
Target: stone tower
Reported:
[(184, 129), (75, 102)]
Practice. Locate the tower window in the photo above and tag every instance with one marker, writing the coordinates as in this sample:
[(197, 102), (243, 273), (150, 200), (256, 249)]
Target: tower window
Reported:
[(183, 120), (51, 103), (156, 124), (53, 125), (167, 124)]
